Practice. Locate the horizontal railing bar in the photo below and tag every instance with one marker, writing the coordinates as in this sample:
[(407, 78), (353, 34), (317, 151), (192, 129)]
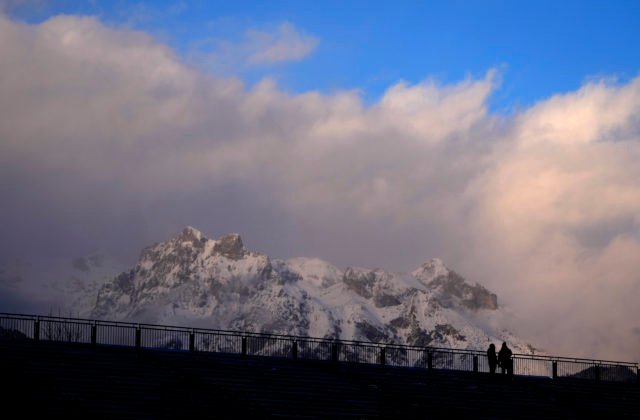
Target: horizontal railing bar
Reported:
[(235, 332), (317, 340), (571, 359)]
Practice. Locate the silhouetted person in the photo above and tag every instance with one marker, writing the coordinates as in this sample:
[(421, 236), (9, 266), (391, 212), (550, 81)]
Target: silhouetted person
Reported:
[(493, 359), (504, 359)]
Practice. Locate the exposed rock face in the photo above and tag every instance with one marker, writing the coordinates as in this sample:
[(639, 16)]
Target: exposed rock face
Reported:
[(454, 290), (230, 246), (440, 333), (360, 282), (371, 332), (383, 300), (115, 296), (193, 280)]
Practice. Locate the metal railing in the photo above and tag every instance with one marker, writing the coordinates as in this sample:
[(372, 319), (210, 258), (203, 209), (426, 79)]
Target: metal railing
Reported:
[(148, 336)]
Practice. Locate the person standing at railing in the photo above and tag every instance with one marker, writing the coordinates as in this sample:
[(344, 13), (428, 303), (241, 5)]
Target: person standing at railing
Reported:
[(504, 359), (493, 359)]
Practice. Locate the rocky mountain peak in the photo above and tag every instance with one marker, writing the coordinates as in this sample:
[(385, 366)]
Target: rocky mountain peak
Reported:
[(190, 234), (430, 270), (453, 288), (231, 246)]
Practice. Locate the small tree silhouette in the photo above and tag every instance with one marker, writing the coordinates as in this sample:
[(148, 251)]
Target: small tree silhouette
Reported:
[(60, 330)]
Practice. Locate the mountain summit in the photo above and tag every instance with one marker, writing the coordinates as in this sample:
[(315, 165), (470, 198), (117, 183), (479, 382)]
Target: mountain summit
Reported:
[(218, 283)]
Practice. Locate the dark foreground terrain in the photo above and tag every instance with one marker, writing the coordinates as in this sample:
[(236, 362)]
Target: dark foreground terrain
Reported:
[(81, 381)]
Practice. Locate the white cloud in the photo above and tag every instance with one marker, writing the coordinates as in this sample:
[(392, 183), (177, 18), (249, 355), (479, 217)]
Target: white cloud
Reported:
[(284, 44), (105, 136), (257, 48)]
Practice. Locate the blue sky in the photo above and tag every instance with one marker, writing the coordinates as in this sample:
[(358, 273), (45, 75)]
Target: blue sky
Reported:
[(539, 48)]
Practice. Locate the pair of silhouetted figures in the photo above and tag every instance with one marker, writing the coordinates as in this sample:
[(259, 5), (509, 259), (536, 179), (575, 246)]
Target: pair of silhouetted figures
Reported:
[(503, 359)]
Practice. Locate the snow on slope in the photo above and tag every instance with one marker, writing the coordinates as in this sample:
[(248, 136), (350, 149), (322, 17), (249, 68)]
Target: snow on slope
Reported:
[(192, 280)]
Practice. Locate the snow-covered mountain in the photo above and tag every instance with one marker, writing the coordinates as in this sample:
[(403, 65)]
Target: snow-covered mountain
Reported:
[(192, 280)]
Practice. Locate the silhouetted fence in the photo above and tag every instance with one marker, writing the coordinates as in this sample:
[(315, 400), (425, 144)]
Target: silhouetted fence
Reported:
[(71, 330)]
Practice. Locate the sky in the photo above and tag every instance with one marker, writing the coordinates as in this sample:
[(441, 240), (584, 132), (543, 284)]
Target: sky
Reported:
[(502, 137)]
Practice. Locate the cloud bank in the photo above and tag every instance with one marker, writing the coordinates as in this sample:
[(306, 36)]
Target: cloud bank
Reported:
[(108, 140)]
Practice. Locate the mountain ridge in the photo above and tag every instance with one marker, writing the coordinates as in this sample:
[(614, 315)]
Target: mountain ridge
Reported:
[(218, 283)]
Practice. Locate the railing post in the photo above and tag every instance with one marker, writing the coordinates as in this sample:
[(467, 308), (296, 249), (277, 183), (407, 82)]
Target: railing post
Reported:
[(430, 360), (597, 372), (36, 329), (383, 356), (192, 341), (138, 337), (244, 346), (94, 334), (294, 350), (334, 352), (554, 369), (475, 362)]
